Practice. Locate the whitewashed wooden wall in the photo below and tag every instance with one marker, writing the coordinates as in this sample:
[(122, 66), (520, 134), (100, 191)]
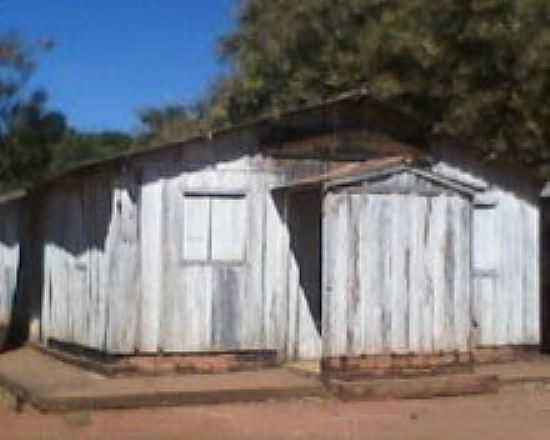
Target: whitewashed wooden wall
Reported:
[(10, 216), (197, 306), (397, 269), (91, 263), (116, 278), (214, 305), (506, 264)]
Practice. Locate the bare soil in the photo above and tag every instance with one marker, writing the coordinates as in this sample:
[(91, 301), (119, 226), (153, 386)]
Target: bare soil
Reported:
[(516, 414)]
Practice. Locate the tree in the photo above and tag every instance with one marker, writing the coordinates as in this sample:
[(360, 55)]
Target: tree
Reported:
[(478, 70), (27, 129), (171, 123), (475, 69), (77, 147)]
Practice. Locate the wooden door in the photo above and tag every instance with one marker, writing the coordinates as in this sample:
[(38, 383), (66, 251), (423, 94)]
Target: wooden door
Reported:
[(397, 273)]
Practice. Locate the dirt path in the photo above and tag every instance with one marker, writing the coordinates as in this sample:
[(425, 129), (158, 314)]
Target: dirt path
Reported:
[(513, 415)]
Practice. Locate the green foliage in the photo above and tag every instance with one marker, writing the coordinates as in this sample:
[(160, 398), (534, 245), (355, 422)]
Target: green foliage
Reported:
[(177, 122), (171, 123), (27, 129), (33, 140), (77, 147), (26, 145), (475, 69)]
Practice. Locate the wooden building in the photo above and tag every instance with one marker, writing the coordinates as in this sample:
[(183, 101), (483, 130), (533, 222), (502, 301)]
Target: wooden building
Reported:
[(337, 232)]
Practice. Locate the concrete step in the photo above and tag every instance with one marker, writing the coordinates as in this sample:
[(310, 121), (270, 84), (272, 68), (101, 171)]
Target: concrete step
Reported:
[(54, 386), (413, 388)]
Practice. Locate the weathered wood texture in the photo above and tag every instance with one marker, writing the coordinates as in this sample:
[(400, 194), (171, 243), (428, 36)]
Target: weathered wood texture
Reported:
[(10, 236), (91, 252), (506, 264), (192, 252), (397, 272), (174, 257)]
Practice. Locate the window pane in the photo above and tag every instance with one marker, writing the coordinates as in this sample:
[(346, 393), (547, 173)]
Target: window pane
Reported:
[(228, 228), (196, 214)]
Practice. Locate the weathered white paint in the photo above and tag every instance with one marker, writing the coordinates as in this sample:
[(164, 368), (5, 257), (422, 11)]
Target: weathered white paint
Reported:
[(91, 258), (336, 273), (228, 218), (123, 291), (152, 241), (132, 263), (506, 264), (126, 270), (506, 272), (397, 272), (275, 260)]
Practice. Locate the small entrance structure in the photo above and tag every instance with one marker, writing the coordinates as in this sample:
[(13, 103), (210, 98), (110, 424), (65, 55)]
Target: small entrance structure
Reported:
[(398, 274)]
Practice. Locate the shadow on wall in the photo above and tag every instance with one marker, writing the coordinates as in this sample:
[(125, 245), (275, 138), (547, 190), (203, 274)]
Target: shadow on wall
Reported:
[(545, 276), (74, 229), (74, 215), (303, 218), (92, 209), (13, 252)]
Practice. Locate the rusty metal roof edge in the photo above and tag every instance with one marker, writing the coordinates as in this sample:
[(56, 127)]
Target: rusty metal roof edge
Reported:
[(347, 171), (346, 181)]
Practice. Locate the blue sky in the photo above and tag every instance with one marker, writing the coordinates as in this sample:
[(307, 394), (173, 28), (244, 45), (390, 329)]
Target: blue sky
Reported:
[(115, 57)]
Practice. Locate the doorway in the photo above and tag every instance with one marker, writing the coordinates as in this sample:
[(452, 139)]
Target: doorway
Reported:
[(304, 226)]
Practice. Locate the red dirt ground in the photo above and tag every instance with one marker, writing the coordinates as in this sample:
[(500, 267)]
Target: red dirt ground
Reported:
[(514, 415)]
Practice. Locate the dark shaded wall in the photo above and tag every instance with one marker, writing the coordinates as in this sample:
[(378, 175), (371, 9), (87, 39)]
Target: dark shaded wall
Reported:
[(545, 275)]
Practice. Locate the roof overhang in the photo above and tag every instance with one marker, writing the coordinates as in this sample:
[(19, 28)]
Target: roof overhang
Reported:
[(352, 173), (347, 170), (12, 195)]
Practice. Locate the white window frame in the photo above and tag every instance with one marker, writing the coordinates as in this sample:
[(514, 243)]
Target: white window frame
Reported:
[(210, 196)]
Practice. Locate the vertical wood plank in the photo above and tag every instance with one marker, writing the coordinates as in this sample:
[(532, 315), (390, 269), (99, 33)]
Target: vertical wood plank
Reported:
[(228, 320), (417, 272), (356, 299), (124, 269), (437, 271), (400, 262), (196, 307), (274, 268), (252, 292), (463, 284), (531, 271), (336, 263), (151, 211), (372, 266), (429, 293)]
